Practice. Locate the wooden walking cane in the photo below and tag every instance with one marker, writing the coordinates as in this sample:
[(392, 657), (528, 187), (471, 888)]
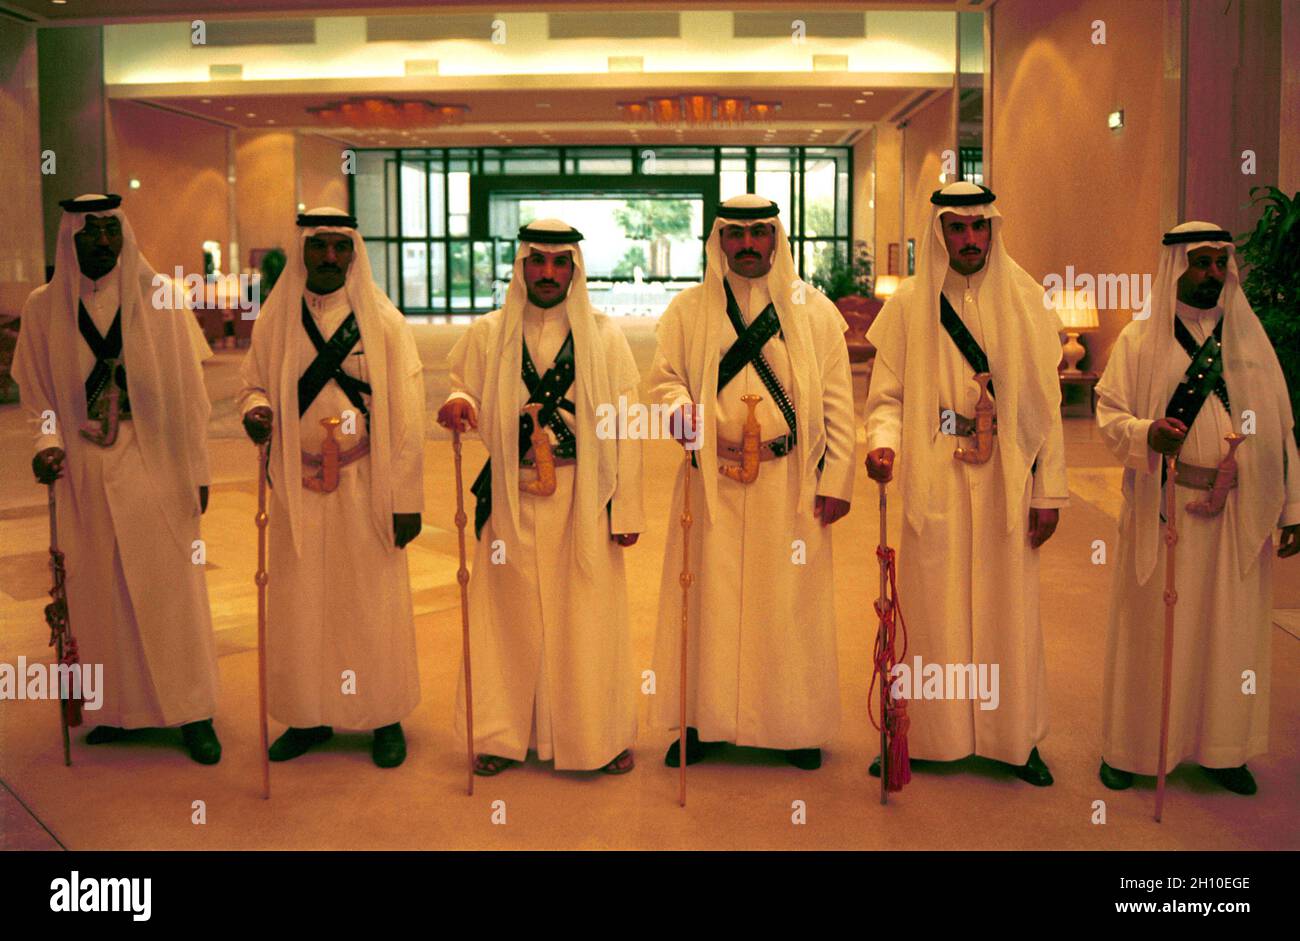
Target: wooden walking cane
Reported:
[(462, 576), (881, 640), (61, 639), (1171, 599), (686, 579), (263, 456)]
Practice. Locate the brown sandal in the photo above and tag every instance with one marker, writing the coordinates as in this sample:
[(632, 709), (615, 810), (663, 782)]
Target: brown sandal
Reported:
[(621, 763), (489, 765)]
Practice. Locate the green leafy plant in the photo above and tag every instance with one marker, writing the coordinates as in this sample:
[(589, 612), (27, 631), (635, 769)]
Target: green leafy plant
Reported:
[(838, 277), (1272, 284), (656, 221)]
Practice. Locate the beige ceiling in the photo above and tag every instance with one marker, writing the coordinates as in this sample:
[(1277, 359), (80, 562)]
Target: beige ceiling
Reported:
[(565, 116), (117, 11)]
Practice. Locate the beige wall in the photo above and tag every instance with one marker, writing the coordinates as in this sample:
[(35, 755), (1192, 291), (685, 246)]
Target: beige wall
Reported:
[(1233, 97), (1074, 192), (70, 69), (22, 250), (928, 134), (264, 190), (320, 172), (889, 226), (181, 165), (1289, 110)]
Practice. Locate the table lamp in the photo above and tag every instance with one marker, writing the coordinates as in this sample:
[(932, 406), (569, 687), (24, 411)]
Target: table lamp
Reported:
[(1078, 313), (886, 285)]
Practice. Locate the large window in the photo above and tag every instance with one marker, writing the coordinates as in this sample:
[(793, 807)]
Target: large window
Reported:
[(440, 224)]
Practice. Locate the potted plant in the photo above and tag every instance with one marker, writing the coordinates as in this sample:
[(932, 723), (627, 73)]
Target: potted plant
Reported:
[(847, 281), (1272, 284)]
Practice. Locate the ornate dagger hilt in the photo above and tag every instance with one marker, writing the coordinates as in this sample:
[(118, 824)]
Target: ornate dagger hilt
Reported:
[(984, 411), (543, 457), (750, 442), (327, 480), (101, 426), (1224, 477)]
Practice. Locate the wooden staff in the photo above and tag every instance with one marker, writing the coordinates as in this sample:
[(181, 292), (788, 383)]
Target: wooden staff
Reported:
[(1171, 599), (882, 643), (56, 614), (263, 456), (462, 576), (686, 579)]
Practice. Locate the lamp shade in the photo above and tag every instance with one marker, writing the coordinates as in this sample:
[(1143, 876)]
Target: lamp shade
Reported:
[(1076, 310), (886, 285)]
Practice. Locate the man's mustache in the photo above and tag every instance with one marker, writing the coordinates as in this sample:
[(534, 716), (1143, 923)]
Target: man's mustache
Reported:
[(972, 251), (746, 253), (546, 284)]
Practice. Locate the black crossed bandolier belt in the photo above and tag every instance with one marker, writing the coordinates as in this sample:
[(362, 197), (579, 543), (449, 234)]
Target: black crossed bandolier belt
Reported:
[(974, 355), (748, 351), (550, 391), (328, 365), (1204, 374), (106, 347)]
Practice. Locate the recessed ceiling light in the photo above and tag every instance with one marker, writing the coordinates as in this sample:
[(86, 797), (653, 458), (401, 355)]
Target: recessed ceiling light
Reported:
[(543, 104), (859, 101), (270, 120), (59, 2), (868, 92), (250, 114), (206, 101), (230, 107), (823, 104)]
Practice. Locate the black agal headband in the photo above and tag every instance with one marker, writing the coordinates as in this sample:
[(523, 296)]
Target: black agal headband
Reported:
[(1198, 235), (111, 201), (940, 198), (770, 211), (549, 236), (339, 222)]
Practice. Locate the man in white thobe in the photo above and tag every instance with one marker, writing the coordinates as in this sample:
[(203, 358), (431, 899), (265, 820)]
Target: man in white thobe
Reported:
[(548, 621), (132, 471), (334, 381), (968, 555), (1196, 370), (762, 660)]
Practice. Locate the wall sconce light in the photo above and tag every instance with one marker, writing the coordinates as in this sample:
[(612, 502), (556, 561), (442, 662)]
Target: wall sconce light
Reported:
[(1115, 120), (134, 184)]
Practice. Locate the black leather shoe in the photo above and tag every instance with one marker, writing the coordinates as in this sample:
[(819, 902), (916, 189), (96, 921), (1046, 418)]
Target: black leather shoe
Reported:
[(103, 734), (295, 742), (1238, 780), (806, 759), (389, 747), (696, 751), (1034, 771), (201, 739), (1114, 778)]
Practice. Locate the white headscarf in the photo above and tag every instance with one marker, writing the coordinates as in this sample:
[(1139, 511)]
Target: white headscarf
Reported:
[(1254, 380), (275, 341), (704, 334), (169, 406), (504, 398), (1021, 339)]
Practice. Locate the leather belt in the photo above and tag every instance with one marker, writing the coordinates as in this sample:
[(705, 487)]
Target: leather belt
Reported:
[(559, 461), (316, 462), (965, 426), (767, 451), (1194, 477)]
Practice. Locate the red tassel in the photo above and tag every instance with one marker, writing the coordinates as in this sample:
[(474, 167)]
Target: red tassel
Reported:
[(895, 720), (72, 705), (900, 766)]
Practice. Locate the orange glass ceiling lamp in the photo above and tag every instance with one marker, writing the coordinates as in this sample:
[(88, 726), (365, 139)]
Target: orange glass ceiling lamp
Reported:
[(388, 113), (698, 110)]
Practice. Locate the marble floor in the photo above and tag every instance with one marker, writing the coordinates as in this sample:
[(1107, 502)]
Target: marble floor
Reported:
[(142, 795)]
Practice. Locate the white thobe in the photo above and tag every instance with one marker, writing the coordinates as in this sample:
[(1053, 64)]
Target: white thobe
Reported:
[(762, 662), (550, 646), (341, 627), (137, 602), (1222, 622), (968, 589)]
